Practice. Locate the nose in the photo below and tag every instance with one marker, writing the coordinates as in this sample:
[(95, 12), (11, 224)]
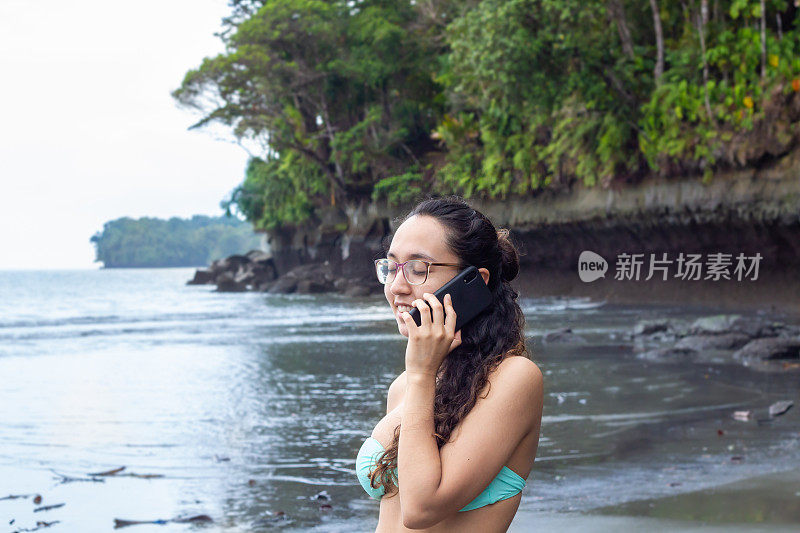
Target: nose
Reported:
[(405, 286)]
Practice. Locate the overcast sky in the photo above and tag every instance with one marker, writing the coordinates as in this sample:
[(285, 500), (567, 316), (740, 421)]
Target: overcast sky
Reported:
[(88, 129)]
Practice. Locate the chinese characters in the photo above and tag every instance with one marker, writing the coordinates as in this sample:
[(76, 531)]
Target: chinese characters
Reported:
[(689, 267)]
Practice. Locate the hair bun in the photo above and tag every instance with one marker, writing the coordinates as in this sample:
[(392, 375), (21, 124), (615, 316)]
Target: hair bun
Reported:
[(509, 266)]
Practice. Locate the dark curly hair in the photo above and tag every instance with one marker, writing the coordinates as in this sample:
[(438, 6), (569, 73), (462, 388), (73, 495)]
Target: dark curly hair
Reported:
[(496, 333)]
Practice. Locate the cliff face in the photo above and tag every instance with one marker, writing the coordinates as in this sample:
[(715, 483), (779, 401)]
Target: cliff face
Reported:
[(739, 211), (749, 211)]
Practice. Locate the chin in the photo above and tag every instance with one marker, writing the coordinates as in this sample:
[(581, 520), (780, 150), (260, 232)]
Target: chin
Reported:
[(403, 329)]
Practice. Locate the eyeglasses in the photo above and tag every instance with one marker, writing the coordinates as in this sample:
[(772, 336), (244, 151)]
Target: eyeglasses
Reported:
[(415, 270)]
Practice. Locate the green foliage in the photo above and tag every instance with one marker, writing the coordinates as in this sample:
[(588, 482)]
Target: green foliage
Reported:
[(153, 242), (341, 93), (676, 125), (399, 190), (277, 191), (358, 100), (546, 101)]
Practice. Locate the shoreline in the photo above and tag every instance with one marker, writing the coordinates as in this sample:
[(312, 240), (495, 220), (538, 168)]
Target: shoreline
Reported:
[(772, 292), (768, 502)]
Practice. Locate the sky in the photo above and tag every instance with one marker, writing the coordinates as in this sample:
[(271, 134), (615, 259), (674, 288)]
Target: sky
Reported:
[(88, 129)]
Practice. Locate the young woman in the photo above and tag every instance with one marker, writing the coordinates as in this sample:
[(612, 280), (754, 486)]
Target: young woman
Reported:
[(462, 426)]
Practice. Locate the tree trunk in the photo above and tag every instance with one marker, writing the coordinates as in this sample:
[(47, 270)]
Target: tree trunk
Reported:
[(616, 12), (763, 40), (702, 20), (659, 70)]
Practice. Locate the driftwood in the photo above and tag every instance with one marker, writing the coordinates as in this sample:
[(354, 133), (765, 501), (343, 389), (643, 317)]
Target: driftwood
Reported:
[(39, 525), (48, 507), (70, 479), (109, 472), (118, 523), (116, 472)]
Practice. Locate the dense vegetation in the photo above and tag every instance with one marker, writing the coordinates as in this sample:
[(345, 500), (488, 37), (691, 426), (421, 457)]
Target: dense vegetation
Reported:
[(368, 99), (153, 242)]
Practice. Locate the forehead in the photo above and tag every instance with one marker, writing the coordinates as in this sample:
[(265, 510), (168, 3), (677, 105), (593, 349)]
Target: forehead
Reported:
[(420, 237)]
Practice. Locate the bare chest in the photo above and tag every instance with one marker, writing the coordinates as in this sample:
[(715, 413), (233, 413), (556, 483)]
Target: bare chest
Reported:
[(384, 429)]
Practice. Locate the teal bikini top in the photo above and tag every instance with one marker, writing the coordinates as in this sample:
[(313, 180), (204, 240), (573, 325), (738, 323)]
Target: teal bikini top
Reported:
[(507, 483)]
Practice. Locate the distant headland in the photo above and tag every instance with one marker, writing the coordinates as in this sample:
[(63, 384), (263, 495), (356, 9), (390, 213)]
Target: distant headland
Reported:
[(152, 242)]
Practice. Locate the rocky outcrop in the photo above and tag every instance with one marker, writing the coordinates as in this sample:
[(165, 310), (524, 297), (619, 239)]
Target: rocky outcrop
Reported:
[(743, 211), (237, 273), (755, 342), (256, 271)]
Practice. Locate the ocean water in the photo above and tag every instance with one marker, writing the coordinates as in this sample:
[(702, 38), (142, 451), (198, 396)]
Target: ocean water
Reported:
[(239, 406)]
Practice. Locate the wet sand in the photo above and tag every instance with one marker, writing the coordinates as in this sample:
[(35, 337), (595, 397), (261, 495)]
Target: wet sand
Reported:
[(764, 503)]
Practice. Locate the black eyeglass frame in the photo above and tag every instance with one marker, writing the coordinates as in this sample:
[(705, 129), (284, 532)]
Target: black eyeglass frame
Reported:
[(401, 266)]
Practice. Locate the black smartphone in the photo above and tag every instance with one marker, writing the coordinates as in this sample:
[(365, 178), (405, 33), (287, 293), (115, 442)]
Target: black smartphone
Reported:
[(469, 294)]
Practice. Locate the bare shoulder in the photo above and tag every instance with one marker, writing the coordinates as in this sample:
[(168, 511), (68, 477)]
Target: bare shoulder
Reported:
[(516, 390), (396, 392), (518, 374), (521, 365)]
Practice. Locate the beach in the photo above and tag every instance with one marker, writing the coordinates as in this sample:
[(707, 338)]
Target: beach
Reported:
[(240, 407)]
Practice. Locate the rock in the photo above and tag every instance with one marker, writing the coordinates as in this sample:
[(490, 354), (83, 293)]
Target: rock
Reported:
[(243, 277), (309, 286), (644, 342), (726, 341), (755, 327), (308, 271), (562, 335), (648, 327), (712, 325), (788, 331), (264, 286), (227, 283), (202, 276), (778, 408), (284, 285), (668, 354), (321, 496), (229, 264), (771, 348), (261, 274), (257, 256)]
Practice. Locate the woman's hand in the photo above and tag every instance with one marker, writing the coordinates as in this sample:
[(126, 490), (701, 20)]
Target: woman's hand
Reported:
[(430, 342)]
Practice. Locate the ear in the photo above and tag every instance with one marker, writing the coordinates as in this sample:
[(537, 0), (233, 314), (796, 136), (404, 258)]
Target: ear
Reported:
[(484, 274)]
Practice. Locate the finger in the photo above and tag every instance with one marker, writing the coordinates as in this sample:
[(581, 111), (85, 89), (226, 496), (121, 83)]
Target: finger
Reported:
[(424, 312), (436, 306), (450, 318), (410, 324), (456, 341)]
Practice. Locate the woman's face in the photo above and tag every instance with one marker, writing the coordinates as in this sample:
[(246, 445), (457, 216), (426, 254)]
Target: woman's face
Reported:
[(419, 237)]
